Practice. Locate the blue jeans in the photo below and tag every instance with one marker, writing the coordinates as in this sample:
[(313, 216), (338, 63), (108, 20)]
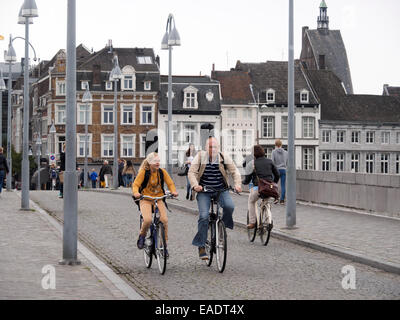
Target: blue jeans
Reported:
[(282, 173), (204, 202), (2, 175), (188, 187)]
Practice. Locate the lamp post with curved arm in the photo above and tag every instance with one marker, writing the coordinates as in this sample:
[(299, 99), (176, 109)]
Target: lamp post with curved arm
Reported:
[(2, 88), (171, 38)]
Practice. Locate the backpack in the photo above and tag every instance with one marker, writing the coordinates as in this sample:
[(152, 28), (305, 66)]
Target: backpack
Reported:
[(53, 174), (146, 181)]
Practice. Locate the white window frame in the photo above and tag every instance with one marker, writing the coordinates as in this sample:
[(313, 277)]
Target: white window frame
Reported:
[(128, 71), (56, 114), (308, 127), (191, 133), (385, 163), (304, 92), (110, 144), (268, 124), (308, 158), (81, 139), (102, 114), (142, 145), (79, 111), (270, 91), (341, 136), (147, 85), (326, 136), (231, 138), (109, 85), (144, 60), (370, 163), (61, 87), (152, 114), (355, 162), (340, 156), (385, 137), (355, 136), (133, 136), (122, 114), (370, 137), (247, 138), (326, 161), (190, 95), (58, 142), (284, 127)]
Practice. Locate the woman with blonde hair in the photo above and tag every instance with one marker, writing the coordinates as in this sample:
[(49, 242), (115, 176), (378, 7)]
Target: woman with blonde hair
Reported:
[(150, 182)]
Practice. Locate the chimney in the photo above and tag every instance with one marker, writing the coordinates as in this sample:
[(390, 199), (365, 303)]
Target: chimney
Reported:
[(110, 46), (213, 67)]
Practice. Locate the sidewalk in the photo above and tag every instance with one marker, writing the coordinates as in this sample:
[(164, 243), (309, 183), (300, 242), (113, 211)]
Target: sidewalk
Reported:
[(30, 249), (361, 237)]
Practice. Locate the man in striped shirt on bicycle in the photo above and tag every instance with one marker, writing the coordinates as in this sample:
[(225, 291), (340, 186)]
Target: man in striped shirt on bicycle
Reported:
[(211, 168)]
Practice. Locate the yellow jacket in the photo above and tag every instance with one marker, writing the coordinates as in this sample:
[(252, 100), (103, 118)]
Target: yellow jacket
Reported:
[(153, 188)]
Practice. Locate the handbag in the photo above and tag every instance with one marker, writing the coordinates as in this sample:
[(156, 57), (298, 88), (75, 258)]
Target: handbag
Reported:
[(61, 176), (267, 189), (183, 171)]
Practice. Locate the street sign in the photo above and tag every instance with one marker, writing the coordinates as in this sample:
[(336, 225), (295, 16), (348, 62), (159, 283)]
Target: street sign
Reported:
[(52, 158)]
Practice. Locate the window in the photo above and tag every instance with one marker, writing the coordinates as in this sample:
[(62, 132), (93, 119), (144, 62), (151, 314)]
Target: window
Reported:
[(109, 85), (397, 163), (247, 113), (175, 132), (81, 118), (355, 162), (340, 136), (127, 115), (284, 127), (268, 128), (142, 145), (398, 137), (147, 85), (146, 115), (81, 145), (308, 159), (144, 60), (128, 83), (385, 137), (270, 96), (304, 96), (107, 145), (60, 114), (268, 152), (60, 142), (384, 163), (84, 84), (247, 139), (370, 162), (128, 145), (370, 137), (326, 161), (60, 88), (326, 136), (107, 114), (231, 138), (232, 113), (189, 131), (340, 161), (308, 127), (190, 97), (355, 137)]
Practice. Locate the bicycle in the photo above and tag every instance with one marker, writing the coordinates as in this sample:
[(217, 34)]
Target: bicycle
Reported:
[(262, 227), (155, 243), (216, 235)]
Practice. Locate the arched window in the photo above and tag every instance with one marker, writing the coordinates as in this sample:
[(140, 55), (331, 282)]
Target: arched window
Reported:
[(128, 82)]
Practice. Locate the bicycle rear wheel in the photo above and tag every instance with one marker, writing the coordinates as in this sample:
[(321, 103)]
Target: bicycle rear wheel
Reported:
[(209, 243), (147, 250), (221, 246), (251, 233), (264, 230), (160, 247)]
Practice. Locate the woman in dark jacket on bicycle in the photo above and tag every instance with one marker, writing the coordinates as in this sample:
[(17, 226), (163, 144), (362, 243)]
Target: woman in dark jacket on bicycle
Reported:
[(265, 169)]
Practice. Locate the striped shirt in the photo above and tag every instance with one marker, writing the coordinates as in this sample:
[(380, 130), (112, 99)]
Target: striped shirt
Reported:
[(212, 177)]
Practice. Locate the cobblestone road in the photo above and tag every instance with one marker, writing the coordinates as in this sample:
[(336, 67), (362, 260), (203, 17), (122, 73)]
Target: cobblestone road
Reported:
[(109, 224)]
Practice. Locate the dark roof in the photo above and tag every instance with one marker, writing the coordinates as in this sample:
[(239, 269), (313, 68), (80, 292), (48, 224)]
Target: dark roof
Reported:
[(202, 83), (330, 44), (235, 86), (126, 56), (336, 105), (391, 91), (274, 75)]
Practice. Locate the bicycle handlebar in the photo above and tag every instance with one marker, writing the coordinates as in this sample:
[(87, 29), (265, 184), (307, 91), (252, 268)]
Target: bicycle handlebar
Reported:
[(206, 189), (168, 195)]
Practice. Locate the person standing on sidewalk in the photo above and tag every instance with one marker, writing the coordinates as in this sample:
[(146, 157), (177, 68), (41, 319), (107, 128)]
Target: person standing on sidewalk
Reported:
[(211, 168), (106, 174), (93, 178), (62, 169), (190, 153), (279, 158), (3, 168)]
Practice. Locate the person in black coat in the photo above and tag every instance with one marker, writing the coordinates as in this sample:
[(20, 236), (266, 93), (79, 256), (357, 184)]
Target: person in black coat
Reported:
[(61, 174), (3, 168), (260, 168)]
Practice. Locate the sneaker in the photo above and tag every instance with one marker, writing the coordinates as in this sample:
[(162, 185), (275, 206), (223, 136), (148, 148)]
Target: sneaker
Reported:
[(203, 253), (270, 226), (140, 242), (187, 196), (60, 195), (276, 201), (282, 202)]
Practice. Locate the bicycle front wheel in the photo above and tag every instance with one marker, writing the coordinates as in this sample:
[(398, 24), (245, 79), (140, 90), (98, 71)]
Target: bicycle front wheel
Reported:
[(264, 230), (160, 247), (210, 243), (147, 250), (221, 246), (251, 233)]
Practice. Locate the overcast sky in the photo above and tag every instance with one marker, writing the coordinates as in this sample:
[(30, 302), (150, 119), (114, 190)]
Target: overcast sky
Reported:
[(219, 32)]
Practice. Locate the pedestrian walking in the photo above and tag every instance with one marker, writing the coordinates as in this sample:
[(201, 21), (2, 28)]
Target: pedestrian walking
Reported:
[(279, 158), (61, 174), (53, 176), (93, 178), (106, 174), (3, 168), (129, 173)]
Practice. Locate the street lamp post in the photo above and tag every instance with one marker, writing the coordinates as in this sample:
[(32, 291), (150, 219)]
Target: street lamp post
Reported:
[(29, 10), (53, 131), (86, 99), (291, 175), (38, 154), (171, 38), (115, 75), (2, 88)]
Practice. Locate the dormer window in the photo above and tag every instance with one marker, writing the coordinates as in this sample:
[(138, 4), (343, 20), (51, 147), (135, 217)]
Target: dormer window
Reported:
[(304, 96), (109, 85), (190, 98), (84, 84), (147, 85), (144, 60), (129, 79), (270, 96)]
